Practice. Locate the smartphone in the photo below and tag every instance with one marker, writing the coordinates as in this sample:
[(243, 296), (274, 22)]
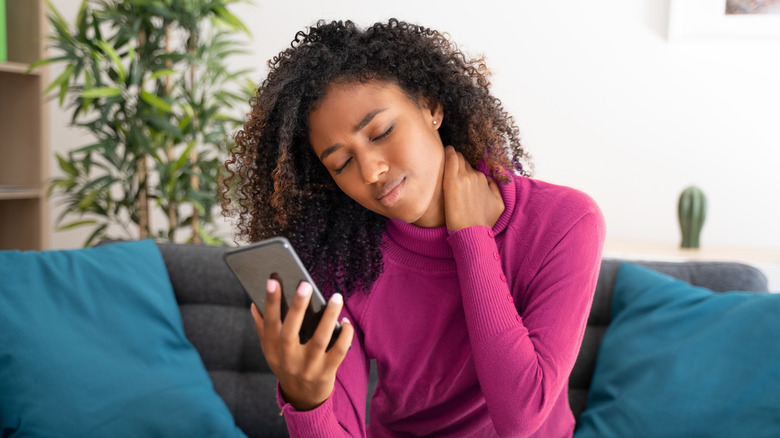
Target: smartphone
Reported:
[(275, 258)]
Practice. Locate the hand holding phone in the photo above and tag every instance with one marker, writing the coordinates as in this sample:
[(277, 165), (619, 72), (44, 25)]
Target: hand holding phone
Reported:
[(306, 372), (276, 259)]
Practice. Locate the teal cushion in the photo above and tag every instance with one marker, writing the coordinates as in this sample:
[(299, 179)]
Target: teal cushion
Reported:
[(683, 361), (92, 345)]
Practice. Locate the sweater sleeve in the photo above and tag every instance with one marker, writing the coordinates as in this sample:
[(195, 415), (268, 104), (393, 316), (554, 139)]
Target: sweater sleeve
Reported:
[(343, 413), (524, 352)]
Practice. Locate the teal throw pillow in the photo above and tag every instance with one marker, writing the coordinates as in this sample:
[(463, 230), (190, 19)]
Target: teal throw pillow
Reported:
[(92, 345), (682, 361)]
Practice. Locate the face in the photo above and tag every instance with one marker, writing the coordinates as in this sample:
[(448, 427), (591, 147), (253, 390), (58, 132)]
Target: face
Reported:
[(382, 149)]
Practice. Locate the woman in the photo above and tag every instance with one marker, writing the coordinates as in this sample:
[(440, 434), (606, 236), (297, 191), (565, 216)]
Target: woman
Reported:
[(401, 182)]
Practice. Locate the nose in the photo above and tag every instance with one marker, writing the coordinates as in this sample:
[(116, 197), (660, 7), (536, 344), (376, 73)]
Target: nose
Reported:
[(372, 166)]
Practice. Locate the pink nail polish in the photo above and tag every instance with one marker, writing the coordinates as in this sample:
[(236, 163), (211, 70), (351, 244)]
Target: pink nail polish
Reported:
[(304, 289), (337, 298)]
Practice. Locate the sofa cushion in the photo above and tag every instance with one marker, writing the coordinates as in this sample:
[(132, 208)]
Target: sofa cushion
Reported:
[(717, 276), (681, 361), (92, 344)]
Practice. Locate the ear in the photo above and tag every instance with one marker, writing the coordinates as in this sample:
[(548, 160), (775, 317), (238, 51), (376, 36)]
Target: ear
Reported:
[(433, 111)]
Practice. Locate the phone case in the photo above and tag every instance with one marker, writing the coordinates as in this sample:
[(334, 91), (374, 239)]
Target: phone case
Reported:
[(275, 258)]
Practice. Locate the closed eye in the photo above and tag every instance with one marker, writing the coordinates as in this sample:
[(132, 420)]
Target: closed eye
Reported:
[(341, 169), (385, 134), (375, 139)]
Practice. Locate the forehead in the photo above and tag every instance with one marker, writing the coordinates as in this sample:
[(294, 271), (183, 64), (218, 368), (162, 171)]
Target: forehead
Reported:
[(345, 105)]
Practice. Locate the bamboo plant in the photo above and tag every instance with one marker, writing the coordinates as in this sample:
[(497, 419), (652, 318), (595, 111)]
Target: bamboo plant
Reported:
[(148, 79)]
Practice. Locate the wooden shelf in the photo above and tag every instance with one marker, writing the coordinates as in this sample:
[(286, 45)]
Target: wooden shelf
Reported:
[(641, 249), (24, 131), (20, 192), (18, 68)]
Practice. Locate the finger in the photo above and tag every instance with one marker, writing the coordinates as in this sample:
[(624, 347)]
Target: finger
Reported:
[(321, 338), (450, 162), (462, 163), (258, 321), (272, 321), (294, 318), (340, 349)]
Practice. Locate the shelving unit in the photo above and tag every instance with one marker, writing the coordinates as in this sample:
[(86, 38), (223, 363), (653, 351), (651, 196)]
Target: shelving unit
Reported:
[(24, 131), (765, 259)]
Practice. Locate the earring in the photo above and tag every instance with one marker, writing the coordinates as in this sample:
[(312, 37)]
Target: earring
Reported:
[(435, 122)]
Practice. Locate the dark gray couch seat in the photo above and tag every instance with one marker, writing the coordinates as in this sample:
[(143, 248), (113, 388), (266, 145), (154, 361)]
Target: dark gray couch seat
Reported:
[(217, 321)]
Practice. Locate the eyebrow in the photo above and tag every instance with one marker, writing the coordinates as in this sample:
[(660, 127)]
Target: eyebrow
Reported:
[(362, 124)]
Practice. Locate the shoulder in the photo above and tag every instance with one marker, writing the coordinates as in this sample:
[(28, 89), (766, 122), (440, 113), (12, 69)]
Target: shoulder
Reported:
[(554, 221), (544, 215), (552, 203)]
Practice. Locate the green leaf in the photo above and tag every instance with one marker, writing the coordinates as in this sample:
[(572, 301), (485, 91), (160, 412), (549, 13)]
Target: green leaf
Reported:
[(76, 224), (46, 61), (108, 50), (100, 92), (88, 84), (58, 22), (163, 72), (81, 21), (156, 101), (61, 81), (184, 157), (99, 232), (207, 238), (163, 125), (229, 19), (67, 166)]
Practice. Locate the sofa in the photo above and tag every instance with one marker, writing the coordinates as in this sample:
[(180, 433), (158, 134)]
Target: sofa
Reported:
[(216, 319)]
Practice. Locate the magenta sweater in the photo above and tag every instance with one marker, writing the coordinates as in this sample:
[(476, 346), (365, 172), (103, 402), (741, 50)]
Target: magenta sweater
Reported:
[(474, 333)]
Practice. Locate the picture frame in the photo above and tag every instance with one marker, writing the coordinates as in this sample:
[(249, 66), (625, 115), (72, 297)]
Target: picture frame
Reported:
[(707, 19)]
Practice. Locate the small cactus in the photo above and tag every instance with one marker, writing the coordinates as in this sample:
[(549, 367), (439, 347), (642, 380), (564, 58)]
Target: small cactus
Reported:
[(692, 211)]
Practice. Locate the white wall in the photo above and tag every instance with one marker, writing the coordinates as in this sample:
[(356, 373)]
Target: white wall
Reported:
[(603, 101)]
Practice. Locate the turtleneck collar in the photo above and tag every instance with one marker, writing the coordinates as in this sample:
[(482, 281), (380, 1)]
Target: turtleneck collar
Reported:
[(427, 248)]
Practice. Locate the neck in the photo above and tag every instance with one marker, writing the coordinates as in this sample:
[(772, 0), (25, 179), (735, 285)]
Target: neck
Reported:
[(427, 247)]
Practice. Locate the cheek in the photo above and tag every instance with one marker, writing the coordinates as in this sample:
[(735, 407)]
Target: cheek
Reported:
[(433, 158), (425, 150), (354, 189)]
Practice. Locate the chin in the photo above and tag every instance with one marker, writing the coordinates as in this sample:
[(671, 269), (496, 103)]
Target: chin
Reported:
[(409, 217)]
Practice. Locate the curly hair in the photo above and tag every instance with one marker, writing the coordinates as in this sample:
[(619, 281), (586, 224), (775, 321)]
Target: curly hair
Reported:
[(274, 184)]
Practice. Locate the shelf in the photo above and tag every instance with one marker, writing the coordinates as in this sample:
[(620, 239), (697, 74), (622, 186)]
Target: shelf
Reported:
[(19, 192), (17, 68), (21, 117), (640, 249), (24, 131), (21, 222)]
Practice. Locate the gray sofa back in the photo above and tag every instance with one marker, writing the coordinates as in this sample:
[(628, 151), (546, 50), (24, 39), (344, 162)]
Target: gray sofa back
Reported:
[(216, 317), (215, 312)]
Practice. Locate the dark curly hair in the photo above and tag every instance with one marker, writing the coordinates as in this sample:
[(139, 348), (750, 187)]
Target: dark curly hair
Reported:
[(274, 184)]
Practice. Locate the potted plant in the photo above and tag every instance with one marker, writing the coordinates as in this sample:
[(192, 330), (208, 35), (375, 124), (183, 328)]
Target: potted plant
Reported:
[(148, 79)]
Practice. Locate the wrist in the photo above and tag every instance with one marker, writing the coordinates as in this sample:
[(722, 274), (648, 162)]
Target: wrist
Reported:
[(300, 404)]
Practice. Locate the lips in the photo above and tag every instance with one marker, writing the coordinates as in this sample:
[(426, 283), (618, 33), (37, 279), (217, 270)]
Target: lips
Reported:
[(391, 192)]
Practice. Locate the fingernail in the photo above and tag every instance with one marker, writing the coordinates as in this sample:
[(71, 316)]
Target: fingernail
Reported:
[(344, 320), (304, 289), (337, 298), (271, 287)]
